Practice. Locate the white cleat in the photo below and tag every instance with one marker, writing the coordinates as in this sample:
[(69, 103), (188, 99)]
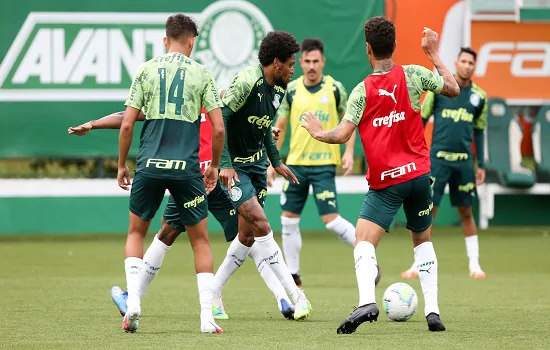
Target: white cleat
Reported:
[(130, 321), (210, 326)]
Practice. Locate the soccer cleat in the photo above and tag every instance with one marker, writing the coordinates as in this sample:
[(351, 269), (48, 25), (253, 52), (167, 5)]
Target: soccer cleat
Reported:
[(302, 308), (367, 312), (434, 323), (130, 321), (210, 327), (478, 274), (410, 273), (297, 279), (119, 298), (217, 308), (286, 309)]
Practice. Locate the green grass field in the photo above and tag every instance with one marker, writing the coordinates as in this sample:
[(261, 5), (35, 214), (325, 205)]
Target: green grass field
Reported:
[(55, 294)]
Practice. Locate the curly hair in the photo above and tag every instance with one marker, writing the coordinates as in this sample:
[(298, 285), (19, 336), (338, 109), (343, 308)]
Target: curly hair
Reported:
[(309, 45), (179, 25), (380, 35), (277, 44)]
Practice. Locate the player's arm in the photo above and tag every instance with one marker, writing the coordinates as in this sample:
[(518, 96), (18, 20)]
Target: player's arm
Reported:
[(343, 132), (427, 109), (342, 104), (479, 128), (134, 104), (111, 121), (283, 114), (211, 100), (430, 45)]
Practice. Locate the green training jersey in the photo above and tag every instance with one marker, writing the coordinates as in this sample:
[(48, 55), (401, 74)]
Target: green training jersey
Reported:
[(419, 79), (170, 90), (249, 106), (455, 120)]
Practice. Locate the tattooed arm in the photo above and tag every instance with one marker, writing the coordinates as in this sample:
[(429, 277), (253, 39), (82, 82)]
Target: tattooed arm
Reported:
[(339, 135), (429, 45)]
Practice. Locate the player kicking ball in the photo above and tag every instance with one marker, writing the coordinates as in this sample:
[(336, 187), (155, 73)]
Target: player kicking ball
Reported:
[(385, 107)]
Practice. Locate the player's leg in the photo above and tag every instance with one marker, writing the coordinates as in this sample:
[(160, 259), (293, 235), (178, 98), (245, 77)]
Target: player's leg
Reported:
[(293, 199), (418, 206), (377, 213), (441, 174), (191, 200), (145, 198), (463, 194), (324, 191)]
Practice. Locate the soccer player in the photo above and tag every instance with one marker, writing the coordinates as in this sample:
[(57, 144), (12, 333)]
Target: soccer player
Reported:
[(249, 106), (313, 162), (218, 204), (170, 89), (456, 122), (386, 109)]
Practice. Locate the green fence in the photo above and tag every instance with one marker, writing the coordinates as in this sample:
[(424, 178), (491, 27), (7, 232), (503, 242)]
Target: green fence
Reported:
[(66, 62)]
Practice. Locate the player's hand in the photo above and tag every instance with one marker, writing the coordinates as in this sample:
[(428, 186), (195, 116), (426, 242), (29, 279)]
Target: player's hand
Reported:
[(347, 163), (312, 124), (226, 177), (480, 176), (285, 172), (123, 178), (430, 42), (271, 175), (210, 178), (276, 133), (80, 130)]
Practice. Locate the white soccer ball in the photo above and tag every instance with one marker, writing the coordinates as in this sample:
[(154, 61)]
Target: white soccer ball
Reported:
[(400, 302)]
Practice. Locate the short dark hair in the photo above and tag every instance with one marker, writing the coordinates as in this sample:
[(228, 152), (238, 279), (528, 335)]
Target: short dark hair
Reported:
[(180, 25), (468, 50), (380, 34), (277, 44), (309, 45)]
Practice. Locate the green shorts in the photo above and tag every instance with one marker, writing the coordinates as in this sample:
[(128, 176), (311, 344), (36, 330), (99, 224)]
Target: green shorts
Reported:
[(252, 182), (218, 204), (321, 178), (380, 206), (189, 195), (461, 179)]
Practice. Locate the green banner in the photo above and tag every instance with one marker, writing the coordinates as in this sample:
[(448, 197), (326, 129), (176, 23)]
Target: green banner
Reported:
[(66, 62)]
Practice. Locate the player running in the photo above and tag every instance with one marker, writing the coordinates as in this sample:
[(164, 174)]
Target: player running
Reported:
[(456, 120), (170, 89), (249, 106), (218, 204), (313, 162), (386, 109)]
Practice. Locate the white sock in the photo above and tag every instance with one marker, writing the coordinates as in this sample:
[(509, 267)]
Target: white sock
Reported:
[(292, 243), (413, 266), (205, 281), (152, 261), (271, 254), (343, 229), (268, 275), (426, 265), (236, 255), (365, 271), (133, 267), (472, 249)]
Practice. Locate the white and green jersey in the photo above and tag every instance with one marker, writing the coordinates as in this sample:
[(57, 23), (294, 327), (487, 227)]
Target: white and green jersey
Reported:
[(170, 90)]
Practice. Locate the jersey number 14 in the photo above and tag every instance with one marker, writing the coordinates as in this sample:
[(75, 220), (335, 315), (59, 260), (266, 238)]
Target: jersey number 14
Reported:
[(175, 93)]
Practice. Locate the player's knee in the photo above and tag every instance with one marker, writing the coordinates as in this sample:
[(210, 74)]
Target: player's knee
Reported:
[(167, 234), (246, 240), (466, 213), (328, 218)]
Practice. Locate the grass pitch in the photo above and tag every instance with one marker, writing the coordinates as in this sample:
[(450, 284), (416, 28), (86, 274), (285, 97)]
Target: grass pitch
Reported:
[(55, 294)]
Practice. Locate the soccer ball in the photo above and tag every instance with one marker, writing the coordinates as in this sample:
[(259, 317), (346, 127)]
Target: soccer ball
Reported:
[(400, 302)]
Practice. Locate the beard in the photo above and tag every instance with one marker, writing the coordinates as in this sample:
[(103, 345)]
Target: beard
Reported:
[(281, 81)]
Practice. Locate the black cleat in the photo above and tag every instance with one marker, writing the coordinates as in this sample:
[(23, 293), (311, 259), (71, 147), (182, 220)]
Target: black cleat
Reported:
[(434, 323), (368, 312), (297, 279)]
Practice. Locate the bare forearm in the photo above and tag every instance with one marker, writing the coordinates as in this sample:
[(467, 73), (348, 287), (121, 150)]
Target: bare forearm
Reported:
[(350, 145), (450, 86), (334, 136), (218, 143), (124, 143), (112, 121)]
